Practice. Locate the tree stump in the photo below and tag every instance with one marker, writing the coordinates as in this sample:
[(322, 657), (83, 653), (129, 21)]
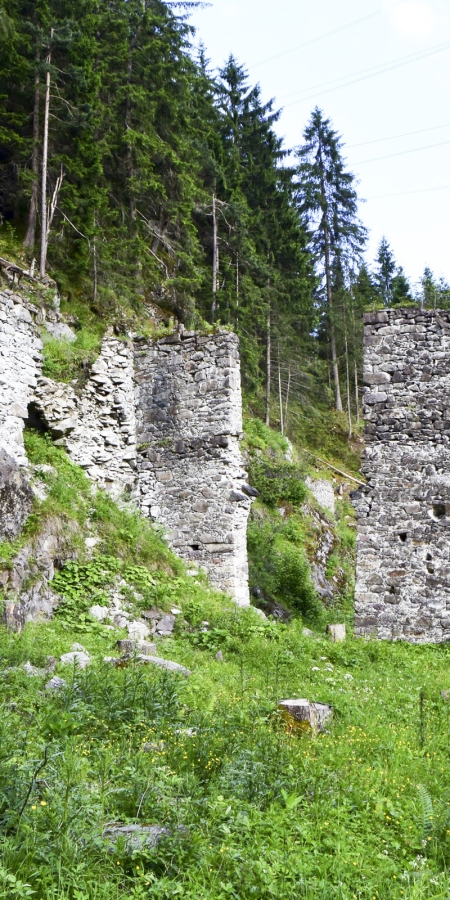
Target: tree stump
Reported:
[(304, 716), (338, 633)]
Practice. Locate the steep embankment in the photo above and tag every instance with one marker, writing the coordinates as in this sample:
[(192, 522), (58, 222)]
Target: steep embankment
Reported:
[(234, 804)]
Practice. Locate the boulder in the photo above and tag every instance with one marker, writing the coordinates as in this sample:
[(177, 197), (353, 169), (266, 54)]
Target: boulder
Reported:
[(76, 658), (337, 633), (55, 684), (129, 647), (165, 626), (61, 331), (137, 631), (302, 715), (134, 837), (323, 493), (16, 498), (163, 664)]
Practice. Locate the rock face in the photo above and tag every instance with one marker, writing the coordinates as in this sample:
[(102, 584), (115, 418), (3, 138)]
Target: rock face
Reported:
[(27, 584), (403, 571), (190, 470), (161, 421), (323, 493), (16, 498)]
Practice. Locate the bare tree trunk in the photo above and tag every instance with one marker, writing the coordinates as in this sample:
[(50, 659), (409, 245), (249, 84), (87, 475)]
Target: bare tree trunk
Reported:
[(286, 408), (215, 261), (268, 366), (30, 236), (280, 397), (334, 362), (129, 150), (44, 228), (347, 373), (357, 394)]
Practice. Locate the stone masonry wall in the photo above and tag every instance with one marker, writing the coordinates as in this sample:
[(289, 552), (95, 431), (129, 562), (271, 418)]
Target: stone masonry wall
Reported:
[(403, 563), (20, 360), (179, 399), (190, 469), (97, 425)]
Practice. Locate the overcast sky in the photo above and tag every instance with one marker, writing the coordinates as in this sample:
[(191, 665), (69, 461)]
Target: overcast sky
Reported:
[(289, 47)]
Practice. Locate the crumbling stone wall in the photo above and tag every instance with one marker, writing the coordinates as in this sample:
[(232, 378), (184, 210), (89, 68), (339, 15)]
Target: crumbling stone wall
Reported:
[(97, 425), (190, 468), (20, 360), (179, 399), (403, 564)]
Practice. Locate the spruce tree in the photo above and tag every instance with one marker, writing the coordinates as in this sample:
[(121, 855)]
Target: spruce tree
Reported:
[(328, 201)]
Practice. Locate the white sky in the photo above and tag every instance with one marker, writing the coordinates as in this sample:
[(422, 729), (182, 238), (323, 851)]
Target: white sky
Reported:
[(266, 37)]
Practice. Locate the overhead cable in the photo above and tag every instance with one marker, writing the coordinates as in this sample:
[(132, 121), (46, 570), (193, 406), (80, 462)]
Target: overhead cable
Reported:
[(368, 73), (361, 162), (321, 37)]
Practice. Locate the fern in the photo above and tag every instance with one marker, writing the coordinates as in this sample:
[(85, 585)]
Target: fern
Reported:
[(427, 811)]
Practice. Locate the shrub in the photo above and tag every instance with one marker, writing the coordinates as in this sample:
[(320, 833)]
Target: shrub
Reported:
[(277, 483)]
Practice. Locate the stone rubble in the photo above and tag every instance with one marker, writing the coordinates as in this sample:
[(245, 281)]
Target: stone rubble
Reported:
[(403, 571)]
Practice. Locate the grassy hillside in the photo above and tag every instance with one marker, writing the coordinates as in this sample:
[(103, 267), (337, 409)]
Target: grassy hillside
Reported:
[(250, 809)]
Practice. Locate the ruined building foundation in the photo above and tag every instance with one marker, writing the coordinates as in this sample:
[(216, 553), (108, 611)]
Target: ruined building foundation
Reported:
[(159, 422), (403, 559)]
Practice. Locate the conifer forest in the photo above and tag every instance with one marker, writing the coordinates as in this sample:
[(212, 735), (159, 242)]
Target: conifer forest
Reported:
[(145, 195)]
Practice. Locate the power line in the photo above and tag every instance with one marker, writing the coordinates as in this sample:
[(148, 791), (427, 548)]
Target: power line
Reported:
[(369, 73), (444, 187), (321, 37), (400, 153), (394, 136)]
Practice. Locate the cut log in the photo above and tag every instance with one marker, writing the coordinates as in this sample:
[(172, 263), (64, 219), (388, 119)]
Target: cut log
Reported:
[(302, 715)]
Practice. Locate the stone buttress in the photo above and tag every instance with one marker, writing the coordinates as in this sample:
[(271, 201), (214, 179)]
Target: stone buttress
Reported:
[(190, 468), (403, 545)]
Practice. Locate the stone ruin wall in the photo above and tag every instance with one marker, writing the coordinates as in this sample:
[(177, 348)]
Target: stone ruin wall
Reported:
[(158, 421), (403, 561), (190, 469)]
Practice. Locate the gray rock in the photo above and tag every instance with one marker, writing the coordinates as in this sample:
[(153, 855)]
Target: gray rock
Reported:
[(137, 631), (55, 684), (323, 493), (34, 672), (77, 659), (163, 664), (99, 612), (219, 656), (166, 625), (61, 331), (313, 717), (16, 498), (129, 647), (134, 837)]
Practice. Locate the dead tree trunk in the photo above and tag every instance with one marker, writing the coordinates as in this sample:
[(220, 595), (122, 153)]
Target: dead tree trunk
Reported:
[(268, 366), (357, 394), (286, 408), (334, 360), (30, 235), (280, 396), (347, 374), (44, 228), (215, 260)]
